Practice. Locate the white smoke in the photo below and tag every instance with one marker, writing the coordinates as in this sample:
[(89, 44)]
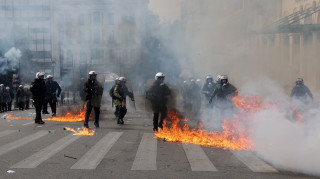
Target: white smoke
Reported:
[(277, 135), (288, 145), (10, 60)]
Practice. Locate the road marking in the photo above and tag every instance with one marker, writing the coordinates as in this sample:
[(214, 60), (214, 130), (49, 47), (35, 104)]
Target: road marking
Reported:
[(15, 144), (146, 157), (253, 162), (198, 160), (28, 123), (36, 159), (93, 157), (7, 132)]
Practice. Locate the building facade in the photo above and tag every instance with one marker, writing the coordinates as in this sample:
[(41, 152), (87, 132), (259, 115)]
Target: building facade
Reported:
[(67, 38)]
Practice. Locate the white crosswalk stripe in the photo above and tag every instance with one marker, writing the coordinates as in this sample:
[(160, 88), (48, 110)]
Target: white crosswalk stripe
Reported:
[(253, 162), (93, 157), (7, 132), (44, 154), (146, 156), (198, 160), (20, 142)]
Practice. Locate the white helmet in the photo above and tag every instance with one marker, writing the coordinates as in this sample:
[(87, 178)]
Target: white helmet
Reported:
[(7, 88), (92, 73), (122, 79), (20, 86), (159, 75), (209, 77), (49, 77), (225, 78), (198, 80), (1, 85), (39, 74)]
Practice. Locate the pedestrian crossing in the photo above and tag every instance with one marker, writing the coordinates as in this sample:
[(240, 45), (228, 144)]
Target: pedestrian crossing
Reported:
[(144, 160)]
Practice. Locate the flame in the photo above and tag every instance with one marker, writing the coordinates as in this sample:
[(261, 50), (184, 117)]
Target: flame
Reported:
[(81, 131), (77, 116), (235, 134), (10, 116)]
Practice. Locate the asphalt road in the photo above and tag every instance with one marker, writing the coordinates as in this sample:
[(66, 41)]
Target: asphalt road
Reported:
[(116, 151)]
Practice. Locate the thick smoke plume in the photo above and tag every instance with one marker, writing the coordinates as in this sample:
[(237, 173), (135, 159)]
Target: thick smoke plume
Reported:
[(10, 62)]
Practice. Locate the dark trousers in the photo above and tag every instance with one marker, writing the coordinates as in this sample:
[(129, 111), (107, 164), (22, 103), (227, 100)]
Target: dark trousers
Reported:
[(21, 105), (53, 105), (121, 111), (88, 112), (38, 106), (9, 104), (27, 104), (156, 122)]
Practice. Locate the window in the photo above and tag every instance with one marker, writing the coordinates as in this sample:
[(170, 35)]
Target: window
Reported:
[(96, 18), (111, 36), (111, 19), (96, 36)]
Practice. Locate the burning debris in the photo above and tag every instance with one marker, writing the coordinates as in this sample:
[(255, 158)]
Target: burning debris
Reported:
[(235, 134), (81, 131)]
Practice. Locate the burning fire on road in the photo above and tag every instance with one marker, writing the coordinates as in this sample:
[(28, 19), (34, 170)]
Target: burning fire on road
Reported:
[(76, 116), (81, 131), (234, 136)]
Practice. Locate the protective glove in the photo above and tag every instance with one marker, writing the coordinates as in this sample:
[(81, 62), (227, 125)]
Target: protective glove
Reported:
[(210, 101)]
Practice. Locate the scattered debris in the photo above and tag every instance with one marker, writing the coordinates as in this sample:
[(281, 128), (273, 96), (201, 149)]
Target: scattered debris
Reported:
[(11, 171), (69, 156), (39, 126), (49, 132)]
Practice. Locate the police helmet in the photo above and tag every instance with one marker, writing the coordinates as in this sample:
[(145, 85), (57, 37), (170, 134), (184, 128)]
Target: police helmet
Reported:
[(299, 81), (92, 73), (49, 77), (122, 79), (224, 79), (159, 75), (20, 86)]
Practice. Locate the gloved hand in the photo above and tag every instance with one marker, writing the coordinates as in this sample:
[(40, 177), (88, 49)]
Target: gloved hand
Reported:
[(58, 96), (132, 99), (210, 101)]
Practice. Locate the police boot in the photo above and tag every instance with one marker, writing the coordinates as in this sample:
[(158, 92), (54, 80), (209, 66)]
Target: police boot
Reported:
[(41, 122), (96, 124), (121, 121), (118, 122), (86, 125)]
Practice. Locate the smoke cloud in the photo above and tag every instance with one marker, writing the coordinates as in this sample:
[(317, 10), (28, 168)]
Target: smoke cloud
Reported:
[(10, 62)]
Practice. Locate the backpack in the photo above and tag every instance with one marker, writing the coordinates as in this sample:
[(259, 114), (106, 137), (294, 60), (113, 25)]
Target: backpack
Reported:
[(111, 92)]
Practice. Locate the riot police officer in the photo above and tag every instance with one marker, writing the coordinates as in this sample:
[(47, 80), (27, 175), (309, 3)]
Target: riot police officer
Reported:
[(300, 92), (94, 91), (21, 95), (51, 95), (157, 94), (38, 89), (120, 93), (222, 95)]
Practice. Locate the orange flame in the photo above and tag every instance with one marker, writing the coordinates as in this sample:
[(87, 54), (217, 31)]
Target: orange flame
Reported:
[(235, 134), (10, 116), (81, 131), (78, 116)]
